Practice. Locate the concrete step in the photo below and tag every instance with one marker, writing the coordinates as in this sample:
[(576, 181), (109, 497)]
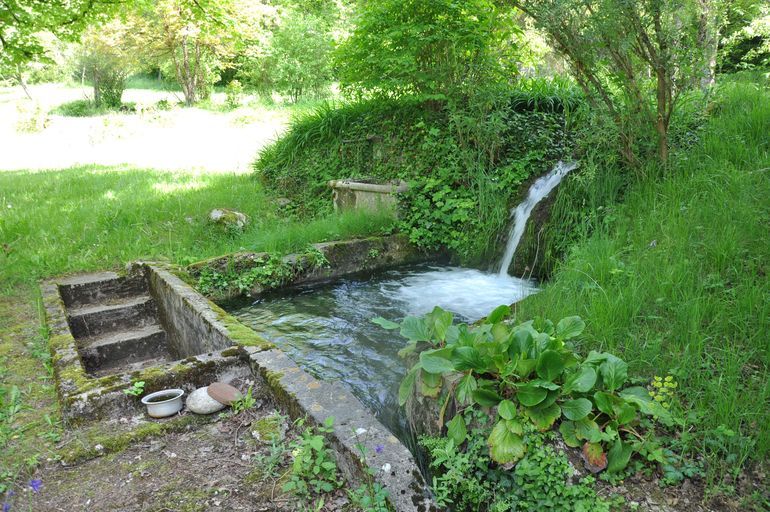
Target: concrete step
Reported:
[(86, 289), (132, 367), (118, 315), (119, 349)]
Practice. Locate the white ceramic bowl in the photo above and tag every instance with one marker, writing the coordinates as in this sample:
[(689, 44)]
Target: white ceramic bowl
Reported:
[(163, 403)]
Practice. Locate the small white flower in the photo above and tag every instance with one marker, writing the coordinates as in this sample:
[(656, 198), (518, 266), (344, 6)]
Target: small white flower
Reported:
[(99, 448), (10, 205), (360, 431), (386, 468)]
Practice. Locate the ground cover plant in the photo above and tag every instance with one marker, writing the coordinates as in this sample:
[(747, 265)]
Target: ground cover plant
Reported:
[(675, 283), (499, 383)]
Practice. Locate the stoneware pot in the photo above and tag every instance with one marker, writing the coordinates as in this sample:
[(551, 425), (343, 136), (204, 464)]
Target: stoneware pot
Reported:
[(163, 403)]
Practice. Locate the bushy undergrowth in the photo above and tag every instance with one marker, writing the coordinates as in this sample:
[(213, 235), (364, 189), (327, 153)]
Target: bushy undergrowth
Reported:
[(464, 160), (87, 108), (674, 279)]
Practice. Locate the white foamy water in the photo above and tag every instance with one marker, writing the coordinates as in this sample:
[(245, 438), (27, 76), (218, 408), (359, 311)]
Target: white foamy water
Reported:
[(469, 293), (539, 189)]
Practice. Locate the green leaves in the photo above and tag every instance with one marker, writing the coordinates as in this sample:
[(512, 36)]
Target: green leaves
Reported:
[(499, 314), (415, 329), (486, 397), (505, 442), (437, 361), (385, 324), (532, 377), (614, 373), (581, 381), (456, 429), (576, 409), (507, 410), (406, 387), (530, 395), (570, 327), (465, 389), (549, 365), (618, 456), (544, 416)]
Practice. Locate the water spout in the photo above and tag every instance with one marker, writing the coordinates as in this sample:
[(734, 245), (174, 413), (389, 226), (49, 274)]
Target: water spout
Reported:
[(541, 188)]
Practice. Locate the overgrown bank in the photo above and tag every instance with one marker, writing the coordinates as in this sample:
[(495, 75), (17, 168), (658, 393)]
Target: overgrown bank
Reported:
[(465, 160), (675, 281)]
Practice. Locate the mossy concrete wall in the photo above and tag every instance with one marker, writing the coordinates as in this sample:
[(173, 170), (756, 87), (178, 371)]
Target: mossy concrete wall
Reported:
[(343, 258), (354, 427), (212, 340)]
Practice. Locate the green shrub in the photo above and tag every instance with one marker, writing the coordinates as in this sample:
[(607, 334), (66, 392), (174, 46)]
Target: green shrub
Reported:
[(78, 108), (233, 94), (313, 470), (464, 159)]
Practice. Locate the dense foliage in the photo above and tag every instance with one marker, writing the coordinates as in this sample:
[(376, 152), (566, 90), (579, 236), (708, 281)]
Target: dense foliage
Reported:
[(464, 162), (674, 280), (522, 378), (431, 49), (634, 59)]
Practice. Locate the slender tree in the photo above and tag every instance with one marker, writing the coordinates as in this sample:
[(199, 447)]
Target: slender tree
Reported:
[(635, 57)]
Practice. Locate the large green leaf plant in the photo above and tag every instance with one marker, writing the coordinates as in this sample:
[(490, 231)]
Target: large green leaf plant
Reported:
[(519, 374)]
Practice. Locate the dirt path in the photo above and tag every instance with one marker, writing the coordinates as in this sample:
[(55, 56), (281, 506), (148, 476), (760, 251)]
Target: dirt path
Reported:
[(236, 463), (177, 139)]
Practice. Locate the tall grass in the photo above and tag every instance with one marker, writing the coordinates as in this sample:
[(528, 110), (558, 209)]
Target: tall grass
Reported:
[(678, 281), (93, 217)]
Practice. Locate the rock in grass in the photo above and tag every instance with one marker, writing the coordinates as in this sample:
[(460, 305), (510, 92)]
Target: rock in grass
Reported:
[(200, 402), (229, 219)]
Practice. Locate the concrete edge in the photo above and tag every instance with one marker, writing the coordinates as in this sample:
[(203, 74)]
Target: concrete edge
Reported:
[(344, 257), (302, 395)]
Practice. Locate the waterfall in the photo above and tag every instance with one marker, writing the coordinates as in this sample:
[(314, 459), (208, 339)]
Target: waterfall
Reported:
[(541, 188)]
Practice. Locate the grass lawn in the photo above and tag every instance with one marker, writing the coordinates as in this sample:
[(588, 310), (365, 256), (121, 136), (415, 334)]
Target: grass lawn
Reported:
[(92, 217), (678, 284)]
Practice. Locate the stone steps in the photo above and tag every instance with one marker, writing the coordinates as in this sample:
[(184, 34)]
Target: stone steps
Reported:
[(115, 322), (86, 289), (122, 348), (113, 316)]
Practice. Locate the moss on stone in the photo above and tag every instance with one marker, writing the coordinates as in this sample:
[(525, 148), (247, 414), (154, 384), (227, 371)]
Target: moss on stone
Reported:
[(239, 333), (273, 378), (269, 429), (230, 352), (87, 448)]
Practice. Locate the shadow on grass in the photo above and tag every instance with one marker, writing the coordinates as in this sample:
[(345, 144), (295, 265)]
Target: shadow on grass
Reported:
[(95, 217)]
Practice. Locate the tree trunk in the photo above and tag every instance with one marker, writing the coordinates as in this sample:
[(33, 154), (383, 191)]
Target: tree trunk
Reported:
[(661, 123), (22, 83), (97, 90), (708, 40)]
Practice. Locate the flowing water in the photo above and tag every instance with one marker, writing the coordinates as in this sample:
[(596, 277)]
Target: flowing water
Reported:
[(327, 329), (541, 188)]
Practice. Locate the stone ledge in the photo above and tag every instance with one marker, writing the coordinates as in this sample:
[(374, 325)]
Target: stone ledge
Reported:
[(344, 258), (305, 396)]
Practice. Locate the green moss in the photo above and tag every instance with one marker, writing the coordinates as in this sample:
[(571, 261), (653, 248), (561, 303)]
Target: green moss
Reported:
[(230, 352), (86, 448), (269, 428), (83, 383), (273, 378), (239, 333)]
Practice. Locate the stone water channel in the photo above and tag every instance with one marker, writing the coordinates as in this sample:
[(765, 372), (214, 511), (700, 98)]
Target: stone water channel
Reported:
[(328, 331)]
